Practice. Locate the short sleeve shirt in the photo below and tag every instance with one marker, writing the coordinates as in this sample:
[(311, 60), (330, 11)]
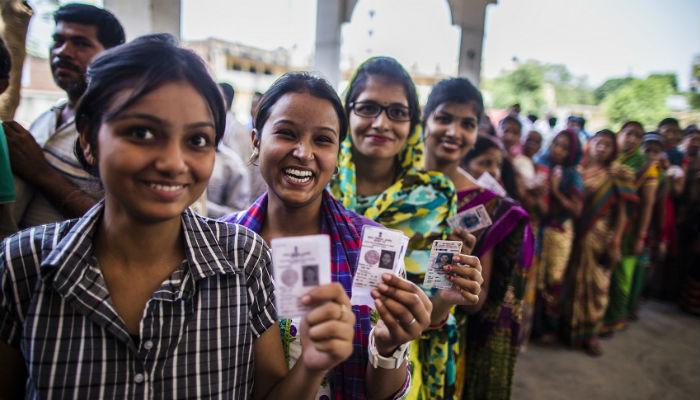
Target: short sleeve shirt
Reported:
[(198, 329)]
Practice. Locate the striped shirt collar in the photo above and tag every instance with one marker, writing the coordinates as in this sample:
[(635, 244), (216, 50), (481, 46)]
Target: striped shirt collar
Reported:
[(67, 258)]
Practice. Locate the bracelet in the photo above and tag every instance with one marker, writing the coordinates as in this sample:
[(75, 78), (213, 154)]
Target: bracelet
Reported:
[(439, 324)]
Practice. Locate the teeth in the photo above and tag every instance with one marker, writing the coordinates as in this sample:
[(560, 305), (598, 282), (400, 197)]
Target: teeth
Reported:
[(167, 188), (298, 173)]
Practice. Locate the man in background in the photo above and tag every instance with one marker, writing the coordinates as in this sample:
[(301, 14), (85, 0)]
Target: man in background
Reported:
[(51, 184)]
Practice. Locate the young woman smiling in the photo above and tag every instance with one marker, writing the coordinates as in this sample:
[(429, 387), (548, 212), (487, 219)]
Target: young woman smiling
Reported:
[(298, 129), (141, 297), (382, 177), (450, 128)]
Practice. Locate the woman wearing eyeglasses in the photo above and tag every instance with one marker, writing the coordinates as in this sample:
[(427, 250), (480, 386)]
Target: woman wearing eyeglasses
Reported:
[(381, 177)]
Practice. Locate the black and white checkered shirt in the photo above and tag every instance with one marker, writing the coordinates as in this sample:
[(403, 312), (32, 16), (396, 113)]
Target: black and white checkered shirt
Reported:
[(196, 335)]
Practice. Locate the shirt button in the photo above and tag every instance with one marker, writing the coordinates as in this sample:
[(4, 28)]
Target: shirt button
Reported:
[(148, 345), (139, 378)]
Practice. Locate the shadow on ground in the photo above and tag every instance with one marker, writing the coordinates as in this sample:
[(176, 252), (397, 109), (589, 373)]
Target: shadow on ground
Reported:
[(657, 357)]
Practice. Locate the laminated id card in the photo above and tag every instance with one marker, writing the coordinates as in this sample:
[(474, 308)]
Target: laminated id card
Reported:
[(299, 263), (382, 251), (441, 255), (473, 219)]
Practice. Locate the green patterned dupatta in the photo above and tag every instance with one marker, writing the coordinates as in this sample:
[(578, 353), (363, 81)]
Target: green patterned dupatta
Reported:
[(418, 203)]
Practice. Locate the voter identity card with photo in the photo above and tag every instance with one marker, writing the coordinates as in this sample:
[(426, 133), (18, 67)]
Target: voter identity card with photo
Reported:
[(472, 220), (382, 251), (441, 256), (300, 264)]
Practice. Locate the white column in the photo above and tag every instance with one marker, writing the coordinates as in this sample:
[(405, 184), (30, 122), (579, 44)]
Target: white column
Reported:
[(140, 17), (469, 15), (330, 16)]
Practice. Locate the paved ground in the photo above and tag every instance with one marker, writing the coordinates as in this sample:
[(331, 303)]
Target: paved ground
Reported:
[(657, 357)]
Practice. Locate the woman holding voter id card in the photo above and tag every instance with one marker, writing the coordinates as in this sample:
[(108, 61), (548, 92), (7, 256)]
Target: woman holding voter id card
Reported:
[(382, 177), (298, 128), (141, 297), (504, 242)]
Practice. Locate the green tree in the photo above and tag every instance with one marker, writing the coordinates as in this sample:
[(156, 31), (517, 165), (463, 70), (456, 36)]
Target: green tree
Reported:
[(643, 100), (610, 86), (522, 85), (525, 85)]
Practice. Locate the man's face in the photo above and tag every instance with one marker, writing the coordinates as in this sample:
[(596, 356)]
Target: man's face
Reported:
[(74, 46)]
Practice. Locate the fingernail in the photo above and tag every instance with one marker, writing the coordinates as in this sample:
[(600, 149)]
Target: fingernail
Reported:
[(305, 299), (383, 287), (386, 277), (378, 302), (375, 293), (447, 268)]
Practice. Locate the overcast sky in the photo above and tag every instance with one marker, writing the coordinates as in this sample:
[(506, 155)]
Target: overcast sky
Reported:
[(596, 38)]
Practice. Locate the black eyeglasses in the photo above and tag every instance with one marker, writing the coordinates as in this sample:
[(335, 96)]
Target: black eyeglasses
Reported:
[(371, 109)]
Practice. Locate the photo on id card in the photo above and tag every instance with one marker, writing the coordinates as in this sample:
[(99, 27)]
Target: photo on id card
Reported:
[(473, 219), (299, 264), (441, 255)]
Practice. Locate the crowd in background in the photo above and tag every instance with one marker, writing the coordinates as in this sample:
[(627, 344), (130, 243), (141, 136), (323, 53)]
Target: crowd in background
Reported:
[(123, 282)]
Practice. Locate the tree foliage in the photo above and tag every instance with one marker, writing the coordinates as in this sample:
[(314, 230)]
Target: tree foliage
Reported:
[(528, 82), (643, 100), (610, 86)]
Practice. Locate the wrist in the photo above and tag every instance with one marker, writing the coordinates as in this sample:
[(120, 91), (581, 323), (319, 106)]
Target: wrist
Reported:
[(441, 310), (393, 360), (385, 349)]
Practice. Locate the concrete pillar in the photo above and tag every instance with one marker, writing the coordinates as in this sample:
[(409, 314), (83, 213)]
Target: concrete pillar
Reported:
[(140, 17), (330, 16), (469, 15)]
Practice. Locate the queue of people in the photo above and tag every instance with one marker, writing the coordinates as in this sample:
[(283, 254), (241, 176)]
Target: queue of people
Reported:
[(613, 223), (113, 285)]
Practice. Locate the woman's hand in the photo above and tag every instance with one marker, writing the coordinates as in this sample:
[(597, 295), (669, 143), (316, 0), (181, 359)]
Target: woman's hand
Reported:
[(555, 179), (462, 235), (328, 329), (465, 274), (404, 310)]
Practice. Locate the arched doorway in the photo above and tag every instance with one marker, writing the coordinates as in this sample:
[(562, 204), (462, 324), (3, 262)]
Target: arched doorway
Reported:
[(468, 15)]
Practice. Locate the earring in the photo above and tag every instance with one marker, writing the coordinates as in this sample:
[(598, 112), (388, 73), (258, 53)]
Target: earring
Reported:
[(253, 157)]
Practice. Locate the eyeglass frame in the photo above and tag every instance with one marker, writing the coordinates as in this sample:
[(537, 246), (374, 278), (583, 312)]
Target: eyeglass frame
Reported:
[(382, 109)]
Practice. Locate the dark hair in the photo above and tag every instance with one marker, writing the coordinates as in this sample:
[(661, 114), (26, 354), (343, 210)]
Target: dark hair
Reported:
[(109, 31), (391, 70), (630, 123), (690, 129), (532, 117), (5, 61), (299, 82), (508, 173), (575, 150), (669, 121), (486, 126), (552, 121), (578, 120), (228, 93), (143, 65), (613, 138), (482, 145), (511, 118), (454, 90)]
